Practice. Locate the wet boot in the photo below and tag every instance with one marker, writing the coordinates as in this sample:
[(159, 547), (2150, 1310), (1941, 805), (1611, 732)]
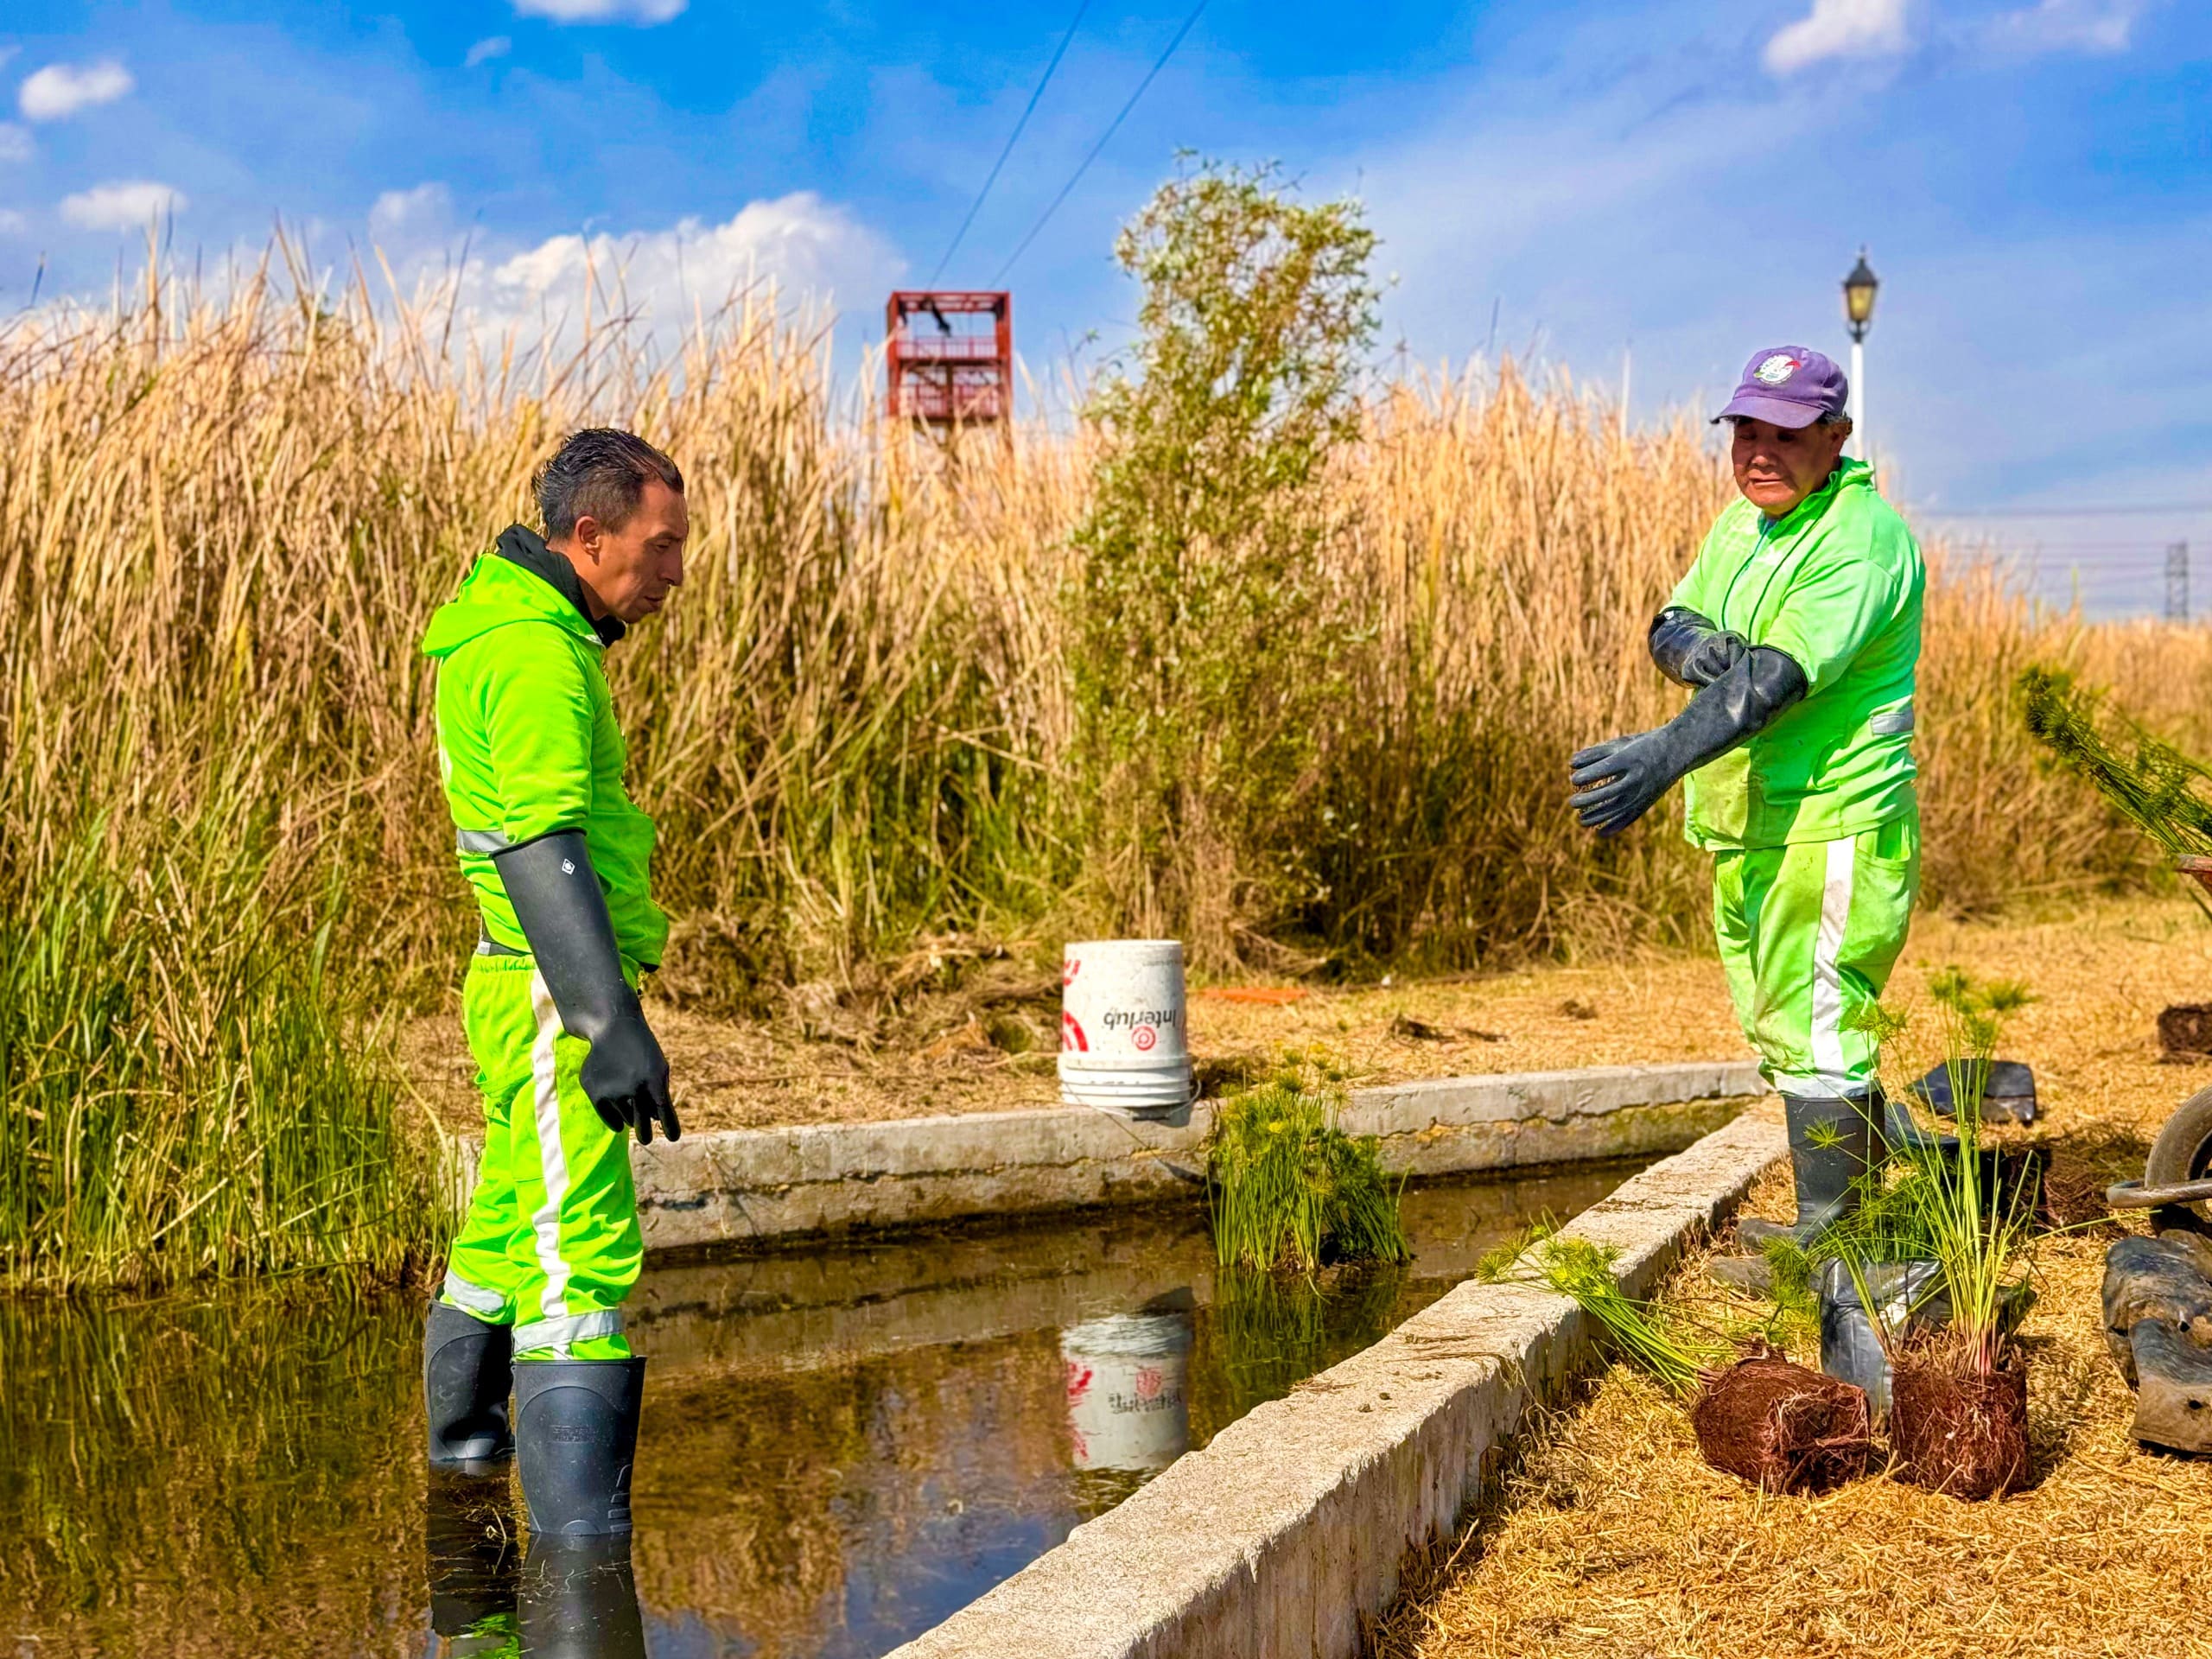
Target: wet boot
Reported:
[(1832, 1145), (575, 1439), (466, 1374), (579, 1601), (473, 1552)]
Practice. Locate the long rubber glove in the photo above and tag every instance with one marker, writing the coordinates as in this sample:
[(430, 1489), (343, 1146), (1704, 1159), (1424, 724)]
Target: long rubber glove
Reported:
[(557, 898), (1621, 780), (1690, 650)]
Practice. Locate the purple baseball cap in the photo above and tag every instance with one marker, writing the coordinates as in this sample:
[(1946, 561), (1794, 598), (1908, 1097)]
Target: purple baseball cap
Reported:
[(1789, 385)]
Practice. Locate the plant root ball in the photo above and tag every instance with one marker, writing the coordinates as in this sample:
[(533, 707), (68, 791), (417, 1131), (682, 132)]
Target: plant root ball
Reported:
[(1782, 1426), (1957, 1430)]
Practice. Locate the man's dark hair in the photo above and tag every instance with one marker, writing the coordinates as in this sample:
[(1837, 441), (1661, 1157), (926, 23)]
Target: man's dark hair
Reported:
[(601, 473)]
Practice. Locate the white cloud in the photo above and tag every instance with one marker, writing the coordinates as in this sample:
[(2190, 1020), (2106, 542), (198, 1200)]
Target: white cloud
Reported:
[(646, 12), (62, 89), (15, 142), (1840, 28), (2067, 26), (497, 46), (807, 247), (812, 253), (126, 204), (11, 221), (410, 214)]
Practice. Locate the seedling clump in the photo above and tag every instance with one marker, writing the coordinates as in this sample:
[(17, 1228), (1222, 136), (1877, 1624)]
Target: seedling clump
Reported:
[(1290, 1189)]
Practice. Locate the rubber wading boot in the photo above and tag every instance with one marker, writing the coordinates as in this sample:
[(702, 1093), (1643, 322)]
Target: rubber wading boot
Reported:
[(473, 1552), (466, 1374), (1832, 1145), (579, 1601), (575, 1438)]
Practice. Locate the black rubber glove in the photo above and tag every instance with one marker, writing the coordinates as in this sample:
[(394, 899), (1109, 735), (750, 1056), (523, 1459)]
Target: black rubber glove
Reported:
[(1690, 650), (555, 895), (1621, 780)]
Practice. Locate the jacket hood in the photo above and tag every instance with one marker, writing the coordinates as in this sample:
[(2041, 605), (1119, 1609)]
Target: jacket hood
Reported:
[(1849, 474), (503, 587)]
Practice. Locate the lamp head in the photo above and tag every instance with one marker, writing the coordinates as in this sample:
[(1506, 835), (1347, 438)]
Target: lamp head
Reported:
[(1858, 289)]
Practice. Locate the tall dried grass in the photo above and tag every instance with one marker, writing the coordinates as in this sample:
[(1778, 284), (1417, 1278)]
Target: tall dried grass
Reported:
[(224, 522)]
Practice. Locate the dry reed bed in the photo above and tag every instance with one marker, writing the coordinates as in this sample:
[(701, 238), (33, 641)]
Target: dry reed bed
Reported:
[(225, 521)]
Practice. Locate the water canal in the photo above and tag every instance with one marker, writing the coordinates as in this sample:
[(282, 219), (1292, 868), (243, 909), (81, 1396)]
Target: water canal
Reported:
[(841, 1447)]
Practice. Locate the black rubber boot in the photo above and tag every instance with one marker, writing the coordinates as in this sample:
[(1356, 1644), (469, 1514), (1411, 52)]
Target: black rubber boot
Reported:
[(576, 1436), (466, 1374), (1832, 1145), (579, 1601), (473, 1551)]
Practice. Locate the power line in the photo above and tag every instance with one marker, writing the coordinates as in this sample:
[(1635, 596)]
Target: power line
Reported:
[(1012, 138), (1105, 138), (2065, 512)]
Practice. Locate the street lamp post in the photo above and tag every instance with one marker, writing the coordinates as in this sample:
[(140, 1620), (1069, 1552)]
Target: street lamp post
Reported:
[(1859, 313)]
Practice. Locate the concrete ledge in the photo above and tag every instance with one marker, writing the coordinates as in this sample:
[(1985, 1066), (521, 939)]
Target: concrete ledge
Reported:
[(763, 1185), (1274, 1541)]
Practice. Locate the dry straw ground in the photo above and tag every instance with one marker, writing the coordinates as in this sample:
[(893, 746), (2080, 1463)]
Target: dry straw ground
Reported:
[(1613, 1538)]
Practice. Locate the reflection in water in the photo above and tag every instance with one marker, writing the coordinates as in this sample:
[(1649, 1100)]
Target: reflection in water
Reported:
[(840, 1447), (1128, 1386), (570, 1598)]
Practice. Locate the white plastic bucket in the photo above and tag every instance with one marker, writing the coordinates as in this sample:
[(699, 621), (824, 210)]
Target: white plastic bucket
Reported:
[(1128, 1390), (1124, 1044)]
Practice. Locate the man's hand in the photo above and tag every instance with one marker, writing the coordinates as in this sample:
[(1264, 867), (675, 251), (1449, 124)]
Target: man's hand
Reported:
[(626, 1077), (1690, 650), (1620, 780)]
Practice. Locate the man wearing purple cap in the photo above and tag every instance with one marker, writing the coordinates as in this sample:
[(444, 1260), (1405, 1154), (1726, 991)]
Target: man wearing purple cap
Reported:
[(1798, 631)]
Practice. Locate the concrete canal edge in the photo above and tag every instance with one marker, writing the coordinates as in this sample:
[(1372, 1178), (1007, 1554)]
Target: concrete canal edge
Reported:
[(770, 1186), (1274, 1541)]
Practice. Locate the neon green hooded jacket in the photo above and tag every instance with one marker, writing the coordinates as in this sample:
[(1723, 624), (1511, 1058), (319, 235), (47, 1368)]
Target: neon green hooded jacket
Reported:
[(1838, 585), (527, 742)]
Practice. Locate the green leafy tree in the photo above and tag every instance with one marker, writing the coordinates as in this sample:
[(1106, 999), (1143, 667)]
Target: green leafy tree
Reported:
[(1205, 650)]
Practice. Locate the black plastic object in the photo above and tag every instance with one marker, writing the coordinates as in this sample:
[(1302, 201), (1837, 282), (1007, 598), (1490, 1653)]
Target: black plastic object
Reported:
[(1689, 650), (473, 1553), (576, 1439), (1621, 779), (579, 1601), (467, 1375), (1906, 1295), (555, 895), (1834, 1143), (2008, 1093)]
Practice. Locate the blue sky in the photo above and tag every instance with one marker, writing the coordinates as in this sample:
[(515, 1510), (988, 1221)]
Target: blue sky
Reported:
[(1681, 181)]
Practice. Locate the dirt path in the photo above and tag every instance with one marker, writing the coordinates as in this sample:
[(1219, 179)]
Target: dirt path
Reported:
[(2101, 976)]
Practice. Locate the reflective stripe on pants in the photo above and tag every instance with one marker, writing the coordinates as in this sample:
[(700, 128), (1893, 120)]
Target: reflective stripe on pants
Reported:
[(1808, 934), (552, 1226)]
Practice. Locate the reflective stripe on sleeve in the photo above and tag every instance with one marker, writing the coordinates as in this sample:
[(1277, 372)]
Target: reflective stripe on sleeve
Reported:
[(480, 840)]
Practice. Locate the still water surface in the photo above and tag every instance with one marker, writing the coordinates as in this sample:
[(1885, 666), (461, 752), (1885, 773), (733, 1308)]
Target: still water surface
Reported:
[(840, 1447)]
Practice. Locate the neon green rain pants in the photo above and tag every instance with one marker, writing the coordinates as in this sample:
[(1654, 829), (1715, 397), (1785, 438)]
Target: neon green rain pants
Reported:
[(1809, 933), (551, 1244)]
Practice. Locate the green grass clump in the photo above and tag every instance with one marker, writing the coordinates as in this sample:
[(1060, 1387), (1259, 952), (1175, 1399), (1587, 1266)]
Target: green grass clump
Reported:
[(1288, 1189), (178, 1095)]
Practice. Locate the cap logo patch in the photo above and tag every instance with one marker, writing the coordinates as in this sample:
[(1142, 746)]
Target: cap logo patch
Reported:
[(1777, 369)]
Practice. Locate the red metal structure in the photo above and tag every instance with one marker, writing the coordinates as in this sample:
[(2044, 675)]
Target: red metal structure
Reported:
[(950, 357)]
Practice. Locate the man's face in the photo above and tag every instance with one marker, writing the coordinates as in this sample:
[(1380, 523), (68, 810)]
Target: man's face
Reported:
[(631, 569), (1777, 467)]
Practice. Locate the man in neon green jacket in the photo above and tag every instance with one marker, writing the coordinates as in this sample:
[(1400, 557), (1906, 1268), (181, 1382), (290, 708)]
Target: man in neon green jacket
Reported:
[(1798, 631), (559, 859)]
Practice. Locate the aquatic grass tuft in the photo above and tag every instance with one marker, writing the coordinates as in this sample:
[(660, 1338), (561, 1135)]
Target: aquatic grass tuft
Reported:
[(1290, 1189), (2146, 779)]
